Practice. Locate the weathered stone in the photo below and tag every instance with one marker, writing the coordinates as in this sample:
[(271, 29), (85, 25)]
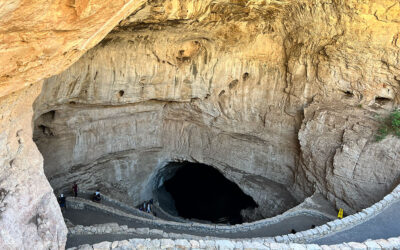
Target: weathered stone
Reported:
[(384, 244), (167, 243), (182, 244), (102, 246), (85, 247), (395, 242), (313, 247), (357, 246), (278, 246), (210, 244), (194, 244), (144, 231), (372, 245), (156, 232), (155, 244), (139, 243), (297, 246), (224, 244)]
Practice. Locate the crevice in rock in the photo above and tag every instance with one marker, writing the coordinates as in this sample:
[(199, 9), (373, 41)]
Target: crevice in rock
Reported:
[(382, 100)]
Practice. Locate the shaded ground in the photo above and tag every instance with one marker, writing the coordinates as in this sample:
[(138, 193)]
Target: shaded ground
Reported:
[(88, 217), (383, 226)]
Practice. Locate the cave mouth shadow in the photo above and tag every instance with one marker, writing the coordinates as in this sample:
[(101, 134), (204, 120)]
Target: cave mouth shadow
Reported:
[(200, 192)]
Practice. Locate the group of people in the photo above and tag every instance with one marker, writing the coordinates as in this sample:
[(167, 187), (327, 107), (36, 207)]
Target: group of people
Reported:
[(96, 197), (146, 206), (63, 203), (61, 199)]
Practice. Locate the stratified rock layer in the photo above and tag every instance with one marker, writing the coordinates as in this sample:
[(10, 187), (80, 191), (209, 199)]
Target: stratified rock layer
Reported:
[(230, 84), (41, 38)]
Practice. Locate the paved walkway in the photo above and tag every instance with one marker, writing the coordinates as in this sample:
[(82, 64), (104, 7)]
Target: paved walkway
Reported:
[(88, 217), (383, 226)]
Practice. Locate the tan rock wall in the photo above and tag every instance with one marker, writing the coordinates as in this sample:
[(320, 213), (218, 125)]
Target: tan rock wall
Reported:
[(29, 212), (340, 154), (41, 38), (228, 83), (283, 54), (38, 39)]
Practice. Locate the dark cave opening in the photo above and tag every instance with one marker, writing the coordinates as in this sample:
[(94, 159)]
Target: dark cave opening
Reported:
[(201, 192)]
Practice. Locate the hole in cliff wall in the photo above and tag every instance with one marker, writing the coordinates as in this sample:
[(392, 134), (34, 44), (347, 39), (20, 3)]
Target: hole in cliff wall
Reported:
[(348, 94), (45, 130), (382, 100), (245, 76), (201, 192)]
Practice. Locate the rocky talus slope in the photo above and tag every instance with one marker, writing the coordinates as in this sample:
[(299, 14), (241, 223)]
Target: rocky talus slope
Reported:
[(283, 96)]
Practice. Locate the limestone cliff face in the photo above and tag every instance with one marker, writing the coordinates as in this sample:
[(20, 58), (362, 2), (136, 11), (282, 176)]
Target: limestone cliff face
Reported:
[(230, 84), (264, 90), (340, 155), (39, 39), (29, 212)]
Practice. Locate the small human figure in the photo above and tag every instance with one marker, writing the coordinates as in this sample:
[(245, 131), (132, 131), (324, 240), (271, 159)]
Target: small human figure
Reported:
[(293, 231), (144, 206), (75, 189), (312, 226), (62, 202), (96, 196), (148, 207)]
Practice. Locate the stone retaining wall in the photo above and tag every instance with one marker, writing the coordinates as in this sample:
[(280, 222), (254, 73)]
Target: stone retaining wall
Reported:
[(114, 228), (392, 243), (79, 203), (126, 207)]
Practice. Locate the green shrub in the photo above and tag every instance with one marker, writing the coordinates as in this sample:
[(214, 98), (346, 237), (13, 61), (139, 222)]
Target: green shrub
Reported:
[(390, 125)]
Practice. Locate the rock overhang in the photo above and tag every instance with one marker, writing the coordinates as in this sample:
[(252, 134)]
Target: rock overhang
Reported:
[(367, 64)]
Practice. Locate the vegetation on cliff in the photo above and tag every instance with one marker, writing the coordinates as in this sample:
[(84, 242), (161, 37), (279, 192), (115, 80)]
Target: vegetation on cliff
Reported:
[(390, 125)]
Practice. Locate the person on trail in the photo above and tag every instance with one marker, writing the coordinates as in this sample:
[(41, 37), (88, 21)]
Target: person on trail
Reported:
[(148, 207), (96, 196), (62, 202), (75, 189), (144, 206)]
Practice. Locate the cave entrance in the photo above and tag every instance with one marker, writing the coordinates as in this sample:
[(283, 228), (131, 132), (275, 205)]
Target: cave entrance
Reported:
[(200, 192)]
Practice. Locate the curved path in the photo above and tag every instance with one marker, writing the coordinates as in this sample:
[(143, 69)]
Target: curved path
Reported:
[(383, 226), (376, 227), (88, 217)]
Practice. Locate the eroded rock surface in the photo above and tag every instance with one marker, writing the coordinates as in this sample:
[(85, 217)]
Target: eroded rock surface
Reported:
[(229, 84), (29, 212), (341, 155), (38, 39), (41, 38), (226, 83)]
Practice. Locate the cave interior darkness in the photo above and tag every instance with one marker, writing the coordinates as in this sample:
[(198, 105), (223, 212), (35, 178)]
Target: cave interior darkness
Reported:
[(201, 192)]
